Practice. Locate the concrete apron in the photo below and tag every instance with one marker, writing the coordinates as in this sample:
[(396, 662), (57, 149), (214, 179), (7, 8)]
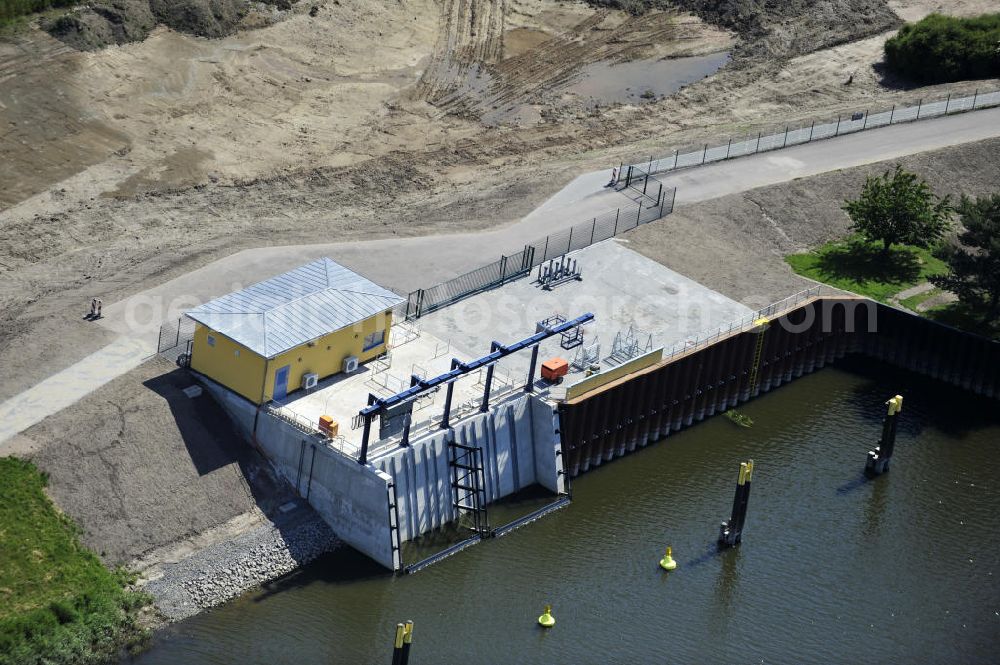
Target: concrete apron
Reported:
[(404, 492)]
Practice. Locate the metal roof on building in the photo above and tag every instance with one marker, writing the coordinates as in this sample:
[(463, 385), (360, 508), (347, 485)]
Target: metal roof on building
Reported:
[(301, 305)]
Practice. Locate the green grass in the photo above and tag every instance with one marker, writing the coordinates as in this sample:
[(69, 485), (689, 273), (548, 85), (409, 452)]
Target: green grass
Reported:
[(961, 316), (58, 602), (861, 267)]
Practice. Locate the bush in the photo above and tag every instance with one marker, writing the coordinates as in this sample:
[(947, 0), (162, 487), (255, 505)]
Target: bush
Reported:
[(939, 49), (12, 9)]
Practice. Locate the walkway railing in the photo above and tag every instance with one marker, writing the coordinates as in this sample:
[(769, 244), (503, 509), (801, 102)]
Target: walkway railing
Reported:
[(298, 421), (748, 322)]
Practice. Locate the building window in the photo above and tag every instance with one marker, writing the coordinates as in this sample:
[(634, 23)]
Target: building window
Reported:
[(236, 353), (377, 338), (211, 341)]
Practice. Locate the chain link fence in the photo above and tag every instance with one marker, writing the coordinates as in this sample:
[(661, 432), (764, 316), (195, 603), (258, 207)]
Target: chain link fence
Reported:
[(814, 131), (175, 339)]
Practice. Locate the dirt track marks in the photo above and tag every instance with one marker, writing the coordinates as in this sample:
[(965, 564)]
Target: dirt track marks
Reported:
[(476, 81), (471, 39)]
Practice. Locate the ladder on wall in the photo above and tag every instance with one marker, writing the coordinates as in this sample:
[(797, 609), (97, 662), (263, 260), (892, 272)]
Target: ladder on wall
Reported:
[(760, 326), (469, 487)]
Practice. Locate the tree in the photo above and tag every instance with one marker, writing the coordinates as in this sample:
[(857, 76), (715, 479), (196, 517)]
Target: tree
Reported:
[(896, 207), (975, 262), (939, 49)]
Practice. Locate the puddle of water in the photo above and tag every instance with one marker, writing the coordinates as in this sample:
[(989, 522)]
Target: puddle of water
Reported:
[(641, 81)]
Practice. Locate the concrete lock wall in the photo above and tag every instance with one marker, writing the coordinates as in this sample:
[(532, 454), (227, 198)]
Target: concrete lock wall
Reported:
[(520, 447), (519, 438), (354, 500)]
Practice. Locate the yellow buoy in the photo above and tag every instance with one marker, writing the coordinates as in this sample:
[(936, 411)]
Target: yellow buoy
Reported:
[(667, 562), (546, 619)]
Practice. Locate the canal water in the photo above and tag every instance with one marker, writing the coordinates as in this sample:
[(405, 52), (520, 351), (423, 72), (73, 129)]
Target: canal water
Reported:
[(833, 568)]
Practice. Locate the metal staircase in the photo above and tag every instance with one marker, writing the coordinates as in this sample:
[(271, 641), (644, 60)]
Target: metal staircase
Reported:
[(469, 487)]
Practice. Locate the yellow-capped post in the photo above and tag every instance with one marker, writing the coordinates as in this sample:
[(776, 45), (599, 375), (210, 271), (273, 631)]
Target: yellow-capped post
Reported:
[(407, 641), (397, 645), (546, 620), (731, 531), (878, 459)]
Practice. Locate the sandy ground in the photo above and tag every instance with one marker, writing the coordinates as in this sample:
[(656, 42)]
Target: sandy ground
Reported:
[(736, 244), (125, 167)]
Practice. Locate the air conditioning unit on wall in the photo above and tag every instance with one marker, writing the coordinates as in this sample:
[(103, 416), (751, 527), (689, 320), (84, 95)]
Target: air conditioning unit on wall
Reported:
[(309, 381), (350, 364)]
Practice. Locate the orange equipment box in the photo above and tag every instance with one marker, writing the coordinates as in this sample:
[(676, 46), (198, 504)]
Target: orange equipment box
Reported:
[(329, 426), (554, 369)]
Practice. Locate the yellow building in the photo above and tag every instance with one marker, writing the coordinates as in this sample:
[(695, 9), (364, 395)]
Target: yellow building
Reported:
[(288, 332)]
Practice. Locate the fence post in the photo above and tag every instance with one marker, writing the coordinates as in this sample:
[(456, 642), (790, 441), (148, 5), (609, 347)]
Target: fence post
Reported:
[(838, 126), (545, 252), (673, 198), (947, 103), (617, 212), (178, 342), (593, 227), (920, 105), (892, 113), (865, 126), (729, 147), (756, 148), (675, 159), (569, 245), (645, 183), (659, 195), (704, 153), (650, 165), (975, 98), (503, 268), (784, 141)]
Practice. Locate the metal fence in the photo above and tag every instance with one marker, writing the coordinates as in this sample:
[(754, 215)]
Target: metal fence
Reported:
[(601, 227), (507, 268), (175, 338), (814, 131), (425, 301)]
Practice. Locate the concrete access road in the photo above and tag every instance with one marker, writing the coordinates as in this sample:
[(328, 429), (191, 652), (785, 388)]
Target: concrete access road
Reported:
[(404, 264)]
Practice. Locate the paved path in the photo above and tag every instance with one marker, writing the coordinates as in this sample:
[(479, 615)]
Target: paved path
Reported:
[(63, 389), (877, 145), (403, 264), (407, 263)]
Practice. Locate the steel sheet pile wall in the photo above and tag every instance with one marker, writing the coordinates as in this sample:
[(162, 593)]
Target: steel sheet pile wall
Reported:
[(943, 353), (646, 406)]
